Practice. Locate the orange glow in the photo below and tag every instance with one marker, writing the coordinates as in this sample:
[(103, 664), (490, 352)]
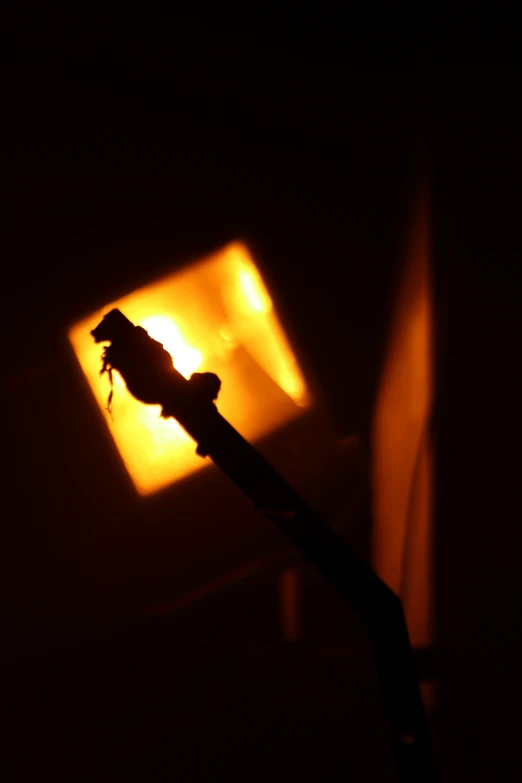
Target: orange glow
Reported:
[(253, 290), (165, 331), (402, 448), (216, 316)]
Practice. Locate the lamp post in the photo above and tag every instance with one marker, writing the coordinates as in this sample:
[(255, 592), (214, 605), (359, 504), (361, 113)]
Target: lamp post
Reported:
[(150, 376)]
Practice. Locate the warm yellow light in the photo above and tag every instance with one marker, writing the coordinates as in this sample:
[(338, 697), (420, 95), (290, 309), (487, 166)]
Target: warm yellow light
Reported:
[(216, 316), (165, 331), (254, 291)]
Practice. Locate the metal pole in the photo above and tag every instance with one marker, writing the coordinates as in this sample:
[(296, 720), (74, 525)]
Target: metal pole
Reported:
[(148, 372)]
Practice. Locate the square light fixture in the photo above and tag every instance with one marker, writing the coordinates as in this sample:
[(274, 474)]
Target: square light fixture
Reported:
[(214, 316)]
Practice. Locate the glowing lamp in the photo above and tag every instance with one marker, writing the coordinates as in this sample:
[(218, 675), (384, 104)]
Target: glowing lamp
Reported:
[(214, 316)]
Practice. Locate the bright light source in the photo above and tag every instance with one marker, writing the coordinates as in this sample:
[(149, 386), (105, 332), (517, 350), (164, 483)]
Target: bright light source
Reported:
[(165, 331), (214, 316), (253, 290)]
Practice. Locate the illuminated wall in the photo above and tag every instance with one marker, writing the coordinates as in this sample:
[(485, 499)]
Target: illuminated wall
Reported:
[(215, 315), (401, 442)]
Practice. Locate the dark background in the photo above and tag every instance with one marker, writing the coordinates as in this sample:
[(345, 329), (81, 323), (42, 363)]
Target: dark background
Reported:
[(131, 147)]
